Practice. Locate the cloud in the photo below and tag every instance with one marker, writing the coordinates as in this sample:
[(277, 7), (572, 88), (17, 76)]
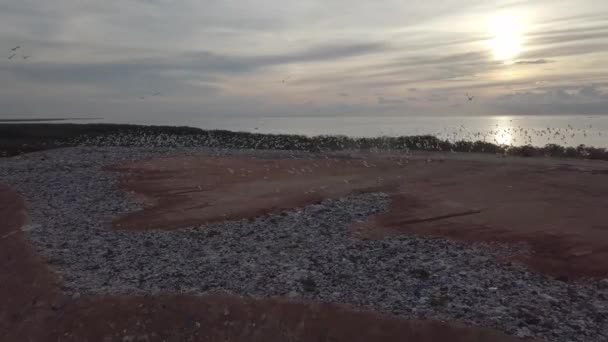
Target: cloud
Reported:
[(535, 61), (412, 70), (229, 57), (326, 52), (479, 57), (589, 100), (571, 34), (593, 92), (569, 38), (180, 71), (389, 102), (438, 98), (556, 51)]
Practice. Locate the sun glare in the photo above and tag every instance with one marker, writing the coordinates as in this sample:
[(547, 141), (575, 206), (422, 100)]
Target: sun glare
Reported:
[(507, 41)]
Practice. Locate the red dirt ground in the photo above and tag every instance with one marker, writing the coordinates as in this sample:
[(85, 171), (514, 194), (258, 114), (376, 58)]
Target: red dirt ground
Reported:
[(183, 191), (33, 309), (555, 205)]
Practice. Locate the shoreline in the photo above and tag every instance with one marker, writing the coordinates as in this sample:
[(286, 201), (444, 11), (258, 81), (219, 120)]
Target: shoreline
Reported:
[(16, 139)]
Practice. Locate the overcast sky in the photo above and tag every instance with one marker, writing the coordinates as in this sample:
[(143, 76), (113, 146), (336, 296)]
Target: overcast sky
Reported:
[(316, 57)]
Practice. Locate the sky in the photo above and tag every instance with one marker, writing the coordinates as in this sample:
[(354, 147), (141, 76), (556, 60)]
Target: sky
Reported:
[(145, 59)]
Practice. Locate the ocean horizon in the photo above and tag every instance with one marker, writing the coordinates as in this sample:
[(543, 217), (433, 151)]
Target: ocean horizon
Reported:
[(516, 130)]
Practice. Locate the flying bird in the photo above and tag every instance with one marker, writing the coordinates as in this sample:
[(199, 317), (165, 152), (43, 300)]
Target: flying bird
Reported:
[(11, 56), (156, 94), (26, 57), (470, 97), (15, 48)]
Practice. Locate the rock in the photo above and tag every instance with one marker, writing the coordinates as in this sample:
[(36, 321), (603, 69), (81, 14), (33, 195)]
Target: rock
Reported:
[(309, 284), (421, 273), (523, 332), (533, 320), (441, 300), (548, 298)]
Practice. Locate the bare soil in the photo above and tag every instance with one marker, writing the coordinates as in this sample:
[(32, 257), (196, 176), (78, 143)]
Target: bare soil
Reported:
[(182, 191)]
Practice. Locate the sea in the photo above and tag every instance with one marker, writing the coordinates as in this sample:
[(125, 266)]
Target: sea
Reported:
[(536, 130)]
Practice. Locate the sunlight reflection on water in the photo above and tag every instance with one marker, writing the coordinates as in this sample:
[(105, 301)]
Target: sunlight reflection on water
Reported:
[(507, 130)]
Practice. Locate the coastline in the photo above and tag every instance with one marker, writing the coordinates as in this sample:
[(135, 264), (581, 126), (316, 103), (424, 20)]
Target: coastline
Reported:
[(22, 138)]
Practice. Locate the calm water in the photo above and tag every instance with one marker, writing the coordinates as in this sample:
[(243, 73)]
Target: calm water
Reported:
[(514, 130), (508, 130)]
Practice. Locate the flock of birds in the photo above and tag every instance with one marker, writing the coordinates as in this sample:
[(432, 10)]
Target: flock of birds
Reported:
[(14, 51), (514, 135), (531, 136)]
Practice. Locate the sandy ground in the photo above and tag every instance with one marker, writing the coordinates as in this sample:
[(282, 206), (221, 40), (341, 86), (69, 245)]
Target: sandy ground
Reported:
[(554, 205), (34, 309)]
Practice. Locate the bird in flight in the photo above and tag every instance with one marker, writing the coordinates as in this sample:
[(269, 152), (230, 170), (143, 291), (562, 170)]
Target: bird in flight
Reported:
[(26, 57), (156, 94), (286, 78), (11, 56), (15, 48), (470, 97)]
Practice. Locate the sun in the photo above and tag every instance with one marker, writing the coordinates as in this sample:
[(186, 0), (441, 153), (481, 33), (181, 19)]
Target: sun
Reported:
[(507, 41)]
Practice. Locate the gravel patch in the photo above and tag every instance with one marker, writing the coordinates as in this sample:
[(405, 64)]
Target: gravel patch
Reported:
[(305, 253)]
